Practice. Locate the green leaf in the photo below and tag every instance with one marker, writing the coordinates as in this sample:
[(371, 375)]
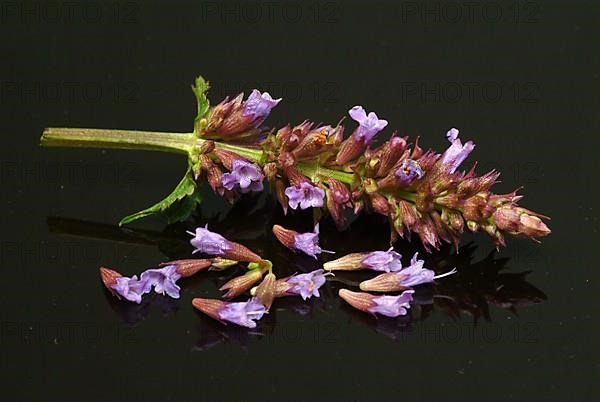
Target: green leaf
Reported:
[(200, 88), (177, 206)]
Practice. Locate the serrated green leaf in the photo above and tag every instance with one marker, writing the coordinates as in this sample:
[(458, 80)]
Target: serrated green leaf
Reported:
[(177, 206), (200, 88)]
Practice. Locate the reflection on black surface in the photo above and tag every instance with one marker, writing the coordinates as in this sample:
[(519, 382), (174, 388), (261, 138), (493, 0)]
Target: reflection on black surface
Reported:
[(476, 286)]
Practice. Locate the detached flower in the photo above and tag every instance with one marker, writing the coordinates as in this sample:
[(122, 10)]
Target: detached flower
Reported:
[(245, 175), (243, 313), (307, 285), (412, 275), (408, 172), (369, 126), (130, 289), (390, 306), (308, 242), (163, 280), (386, 261), (305, 195), (457, 152), (207, 242)]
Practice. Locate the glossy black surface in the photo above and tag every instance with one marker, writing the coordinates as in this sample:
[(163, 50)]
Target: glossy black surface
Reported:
[(520, 78)]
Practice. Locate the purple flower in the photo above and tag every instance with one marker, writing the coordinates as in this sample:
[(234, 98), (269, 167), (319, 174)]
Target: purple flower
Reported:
[(457, 152), (392, 306), (387, 261), (308, 243), (163, 280), (258, 105), (306, 195), (208, 242), (408, 172), (307, 285), (247, 176), (242, 313), (415, 274), (369, 125), (131, 289)]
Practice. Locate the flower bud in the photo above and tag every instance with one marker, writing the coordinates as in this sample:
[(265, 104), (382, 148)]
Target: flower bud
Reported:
[(265, 292), (387, 282), (296, 178), (286, 159), (206, 147), (227, 157), (280, 194), (380, 204), (391, 153), (348, 262), (109, 278), (219, 264), (408, 213), (339, 191), (188, 267), (270, 170), (240, 284), (335, 209), (313, 144)]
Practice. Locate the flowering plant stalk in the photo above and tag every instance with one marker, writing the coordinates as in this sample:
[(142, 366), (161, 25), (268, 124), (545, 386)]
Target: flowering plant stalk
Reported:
[(313, 166)]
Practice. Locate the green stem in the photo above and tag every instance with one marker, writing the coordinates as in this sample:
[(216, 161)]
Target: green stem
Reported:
[(183, 143), (121, 139)]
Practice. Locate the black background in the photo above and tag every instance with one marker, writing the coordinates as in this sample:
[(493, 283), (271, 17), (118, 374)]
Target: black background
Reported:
[(520, 78)]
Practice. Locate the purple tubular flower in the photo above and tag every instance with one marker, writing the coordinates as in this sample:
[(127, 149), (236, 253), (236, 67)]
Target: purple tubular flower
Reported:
[(131, 289), (386, 261), (259, 105), (457, 152), (408, 172), (245, 175), (369, 125), (307, 285), (392, 306), (415, 274), (308, 243), (207, 242), (163, 280), (243, 313), (306, 195)]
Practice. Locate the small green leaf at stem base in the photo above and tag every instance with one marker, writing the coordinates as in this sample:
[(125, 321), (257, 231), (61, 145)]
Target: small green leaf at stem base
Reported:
[(177, 206)]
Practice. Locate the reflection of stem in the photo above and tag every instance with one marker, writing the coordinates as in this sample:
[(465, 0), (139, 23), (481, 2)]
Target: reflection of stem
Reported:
[(103, 231)]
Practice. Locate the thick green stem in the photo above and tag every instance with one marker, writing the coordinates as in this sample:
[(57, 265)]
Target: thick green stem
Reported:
[(121, 139)]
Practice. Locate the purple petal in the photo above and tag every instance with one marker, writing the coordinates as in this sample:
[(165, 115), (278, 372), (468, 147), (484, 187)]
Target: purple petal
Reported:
[(305, 196), (163, 280), (408, 172), (307, 285), (243, 313), (131, 289), (457, 152), (386, 261), (369, 125), (415, 274), (392, 306), (259, 105), (207, 242)]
